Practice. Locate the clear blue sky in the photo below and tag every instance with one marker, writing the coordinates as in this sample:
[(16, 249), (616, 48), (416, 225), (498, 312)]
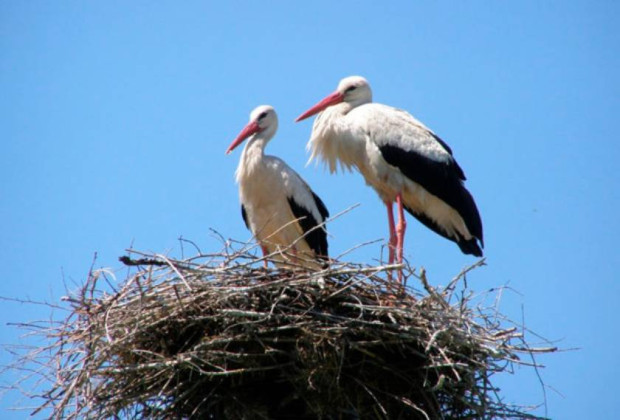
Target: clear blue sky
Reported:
[(114, 119)]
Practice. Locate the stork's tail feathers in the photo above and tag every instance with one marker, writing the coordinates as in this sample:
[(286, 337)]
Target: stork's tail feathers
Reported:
[(470, 247)]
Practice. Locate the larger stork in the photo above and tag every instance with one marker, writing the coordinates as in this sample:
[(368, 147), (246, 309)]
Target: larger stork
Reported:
[(403, 160), (277, 205)]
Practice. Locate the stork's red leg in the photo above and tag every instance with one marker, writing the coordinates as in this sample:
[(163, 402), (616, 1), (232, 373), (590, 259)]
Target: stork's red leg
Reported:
[(265, 252), (392, 241), (400, 233)]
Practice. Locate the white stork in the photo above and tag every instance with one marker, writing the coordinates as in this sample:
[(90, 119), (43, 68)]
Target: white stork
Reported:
[(402, 159), (277, 205)]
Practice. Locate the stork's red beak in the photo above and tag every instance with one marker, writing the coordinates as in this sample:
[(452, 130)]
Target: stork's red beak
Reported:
[(247, 131), (331, 99)]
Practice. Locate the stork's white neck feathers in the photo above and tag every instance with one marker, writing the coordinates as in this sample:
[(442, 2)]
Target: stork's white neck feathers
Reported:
[(332, 142), (252, 156)]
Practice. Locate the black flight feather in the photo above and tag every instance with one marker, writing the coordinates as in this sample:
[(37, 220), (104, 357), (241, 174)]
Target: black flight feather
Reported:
[(245, 217), (317, 238)]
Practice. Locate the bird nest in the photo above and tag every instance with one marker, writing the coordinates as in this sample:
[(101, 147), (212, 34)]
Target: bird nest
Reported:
[(220, 337)]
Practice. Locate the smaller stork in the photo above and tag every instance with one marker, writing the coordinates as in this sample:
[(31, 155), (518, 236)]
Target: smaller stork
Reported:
[(277, 205)]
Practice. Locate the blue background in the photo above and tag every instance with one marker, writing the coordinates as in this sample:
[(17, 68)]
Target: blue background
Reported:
[(114, 119)]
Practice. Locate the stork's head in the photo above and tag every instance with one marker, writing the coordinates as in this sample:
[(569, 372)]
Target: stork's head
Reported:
[(353, 90), (263, 120)]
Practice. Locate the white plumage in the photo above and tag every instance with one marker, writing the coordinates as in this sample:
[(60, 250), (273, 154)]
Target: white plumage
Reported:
[(402, 159), (277, 205)]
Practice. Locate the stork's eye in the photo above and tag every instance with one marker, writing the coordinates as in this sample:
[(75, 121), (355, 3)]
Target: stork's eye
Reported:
[(262, 115), (349, 89)]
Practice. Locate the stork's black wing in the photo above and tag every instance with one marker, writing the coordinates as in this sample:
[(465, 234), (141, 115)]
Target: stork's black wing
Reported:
[(245, 216), (443, 179), (315, 236)]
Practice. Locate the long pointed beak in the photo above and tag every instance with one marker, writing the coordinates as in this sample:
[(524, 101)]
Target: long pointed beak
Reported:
[(247, 131), (329, 100)]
